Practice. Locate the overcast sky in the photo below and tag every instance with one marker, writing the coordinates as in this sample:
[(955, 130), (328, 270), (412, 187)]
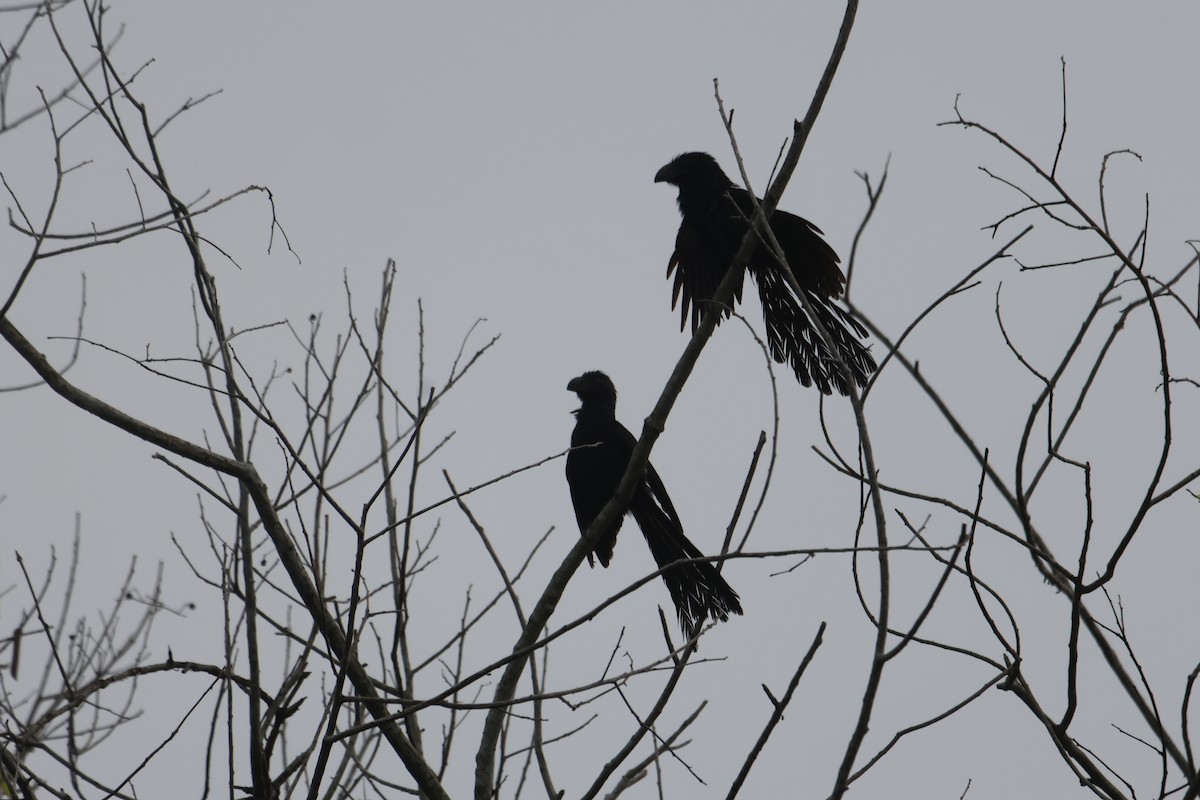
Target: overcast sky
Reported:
[(503, 155)]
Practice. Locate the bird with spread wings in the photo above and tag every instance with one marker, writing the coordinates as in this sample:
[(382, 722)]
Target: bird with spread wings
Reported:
[(716, 215)]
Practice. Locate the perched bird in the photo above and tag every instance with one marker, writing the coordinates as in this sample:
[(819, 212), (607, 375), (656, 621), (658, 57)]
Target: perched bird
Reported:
[(593, 472), (716, 215)]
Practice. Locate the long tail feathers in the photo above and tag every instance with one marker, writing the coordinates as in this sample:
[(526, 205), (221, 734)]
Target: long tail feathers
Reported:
[(795, 341), (697, 588)]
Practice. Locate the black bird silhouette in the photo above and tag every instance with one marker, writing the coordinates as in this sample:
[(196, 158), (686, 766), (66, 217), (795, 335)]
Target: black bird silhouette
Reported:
[(593, 472), (716, 215)]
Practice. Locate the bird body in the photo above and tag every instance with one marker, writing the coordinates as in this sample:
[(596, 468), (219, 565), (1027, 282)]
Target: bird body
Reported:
[(715, 218), (601, 449)]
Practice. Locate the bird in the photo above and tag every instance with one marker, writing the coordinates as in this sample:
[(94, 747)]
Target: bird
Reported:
[(600, 451), (716, 214)]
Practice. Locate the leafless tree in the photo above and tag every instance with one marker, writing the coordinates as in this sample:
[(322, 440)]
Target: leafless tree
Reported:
[(343, 671)]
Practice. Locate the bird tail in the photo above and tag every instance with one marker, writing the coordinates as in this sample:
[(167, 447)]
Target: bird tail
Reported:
[(697, 588), (794, 340)]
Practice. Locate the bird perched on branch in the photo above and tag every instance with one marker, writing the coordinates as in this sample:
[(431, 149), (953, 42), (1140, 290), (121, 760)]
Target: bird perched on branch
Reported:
[(716, 215), (602, 449)]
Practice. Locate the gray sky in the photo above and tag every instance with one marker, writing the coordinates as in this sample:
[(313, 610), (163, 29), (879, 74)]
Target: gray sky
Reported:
[(503, 154)]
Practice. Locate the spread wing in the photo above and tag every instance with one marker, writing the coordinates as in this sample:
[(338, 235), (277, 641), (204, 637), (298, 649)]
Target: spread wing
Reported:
[(697, 274)]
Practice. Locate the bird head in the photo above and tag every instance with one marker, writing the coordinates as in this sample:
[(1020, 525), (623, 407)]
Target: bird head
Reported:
[(700, 179), (691, 168), (595, 390)]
